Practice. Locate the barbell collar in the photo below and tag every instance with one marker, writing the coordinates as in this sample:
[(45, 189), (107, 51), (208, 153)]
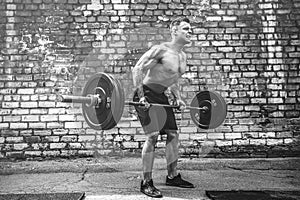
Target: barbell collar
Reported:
[(90, 100)]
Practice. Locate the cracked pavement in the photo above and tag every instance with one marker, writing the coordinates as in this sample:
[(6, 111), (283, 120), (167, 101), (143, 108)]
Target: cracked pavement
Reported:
[(119, 178)]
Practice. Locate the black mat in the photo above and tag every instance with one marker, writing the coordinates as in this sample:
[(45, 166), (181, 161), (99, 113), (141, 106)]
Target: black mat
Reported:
[(45, 196), (253, 195)]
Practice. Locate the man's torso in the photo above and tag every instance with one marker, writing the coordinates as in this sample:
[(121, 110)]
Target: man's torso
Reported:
[(168, 70)]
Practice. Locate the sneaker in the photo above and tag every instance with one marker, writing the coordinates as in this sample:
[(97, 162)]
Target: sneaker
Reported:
[(177, 181), (149, 189)]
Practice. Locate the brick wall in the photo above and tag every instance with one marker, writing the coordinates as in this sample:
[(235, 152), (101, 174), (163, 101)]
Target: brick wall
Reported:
[(247, 50)]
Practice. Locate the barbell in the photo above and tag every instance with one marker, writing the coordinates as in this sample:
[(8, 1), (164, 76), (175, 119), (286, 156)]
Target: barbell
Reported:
[(103, 103)]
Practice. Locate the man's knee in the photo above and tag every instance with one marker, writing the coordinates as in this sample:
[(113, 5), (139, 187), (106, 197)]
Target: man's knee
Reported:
[(152, 138)]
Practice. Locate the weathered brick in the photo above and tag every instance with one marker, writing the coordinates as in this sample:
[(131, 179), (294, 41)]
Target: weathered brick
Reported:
[(69, 138), (30, 118), (92, 152), (84, 138), (42, 132), (51, 139), (29, 105), (220, 143), (140, 138), (95, 7), (67, 118), (213, 18), (267, 135), (241, 101), (121, 6), (38, 111), (14, 139), (57, 145), (284, 134), (48, 118), (15, 154), (258, 141), (11, 119), (73, 124), (36, 125), (46, 104), (18, 125), (25, 91), (68, 153), (54, 125), (10, 104), (130, 145), (188, 129), (215, 136), (274, 141), (32, 153), (258, 100), (184, 136), (241, 142), (229, 18), (125, 131), (75, 145), (20, 146), (32, 139), (252, 108), (51, 153), (219, 43), (229, 136)]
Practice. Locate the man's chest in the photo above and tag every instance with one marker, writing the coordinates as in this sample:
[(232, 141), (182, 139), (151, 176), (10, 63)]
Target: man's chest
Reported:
[(173, 62)]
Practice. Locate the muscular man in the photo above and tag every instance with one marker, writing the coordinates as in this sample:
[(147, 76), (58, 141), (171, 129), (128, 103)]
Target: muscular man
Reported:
[(157, 71)]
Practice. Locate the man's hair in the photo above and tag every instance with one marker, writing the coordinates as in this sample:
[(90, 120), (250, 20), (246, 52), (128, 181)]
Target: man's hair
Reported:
[(178, 20)]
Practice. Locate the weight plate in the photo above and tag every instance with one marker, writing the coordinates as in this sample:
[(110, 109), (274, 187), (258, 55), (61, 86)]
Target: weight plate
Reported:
[(99, 117), (117, 103), (120, 101), (216, 111)]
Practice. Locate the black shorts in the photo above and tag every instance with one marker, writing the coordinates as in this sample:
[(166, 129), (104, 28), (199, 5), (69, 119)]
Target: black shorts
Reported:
[(156, 118)]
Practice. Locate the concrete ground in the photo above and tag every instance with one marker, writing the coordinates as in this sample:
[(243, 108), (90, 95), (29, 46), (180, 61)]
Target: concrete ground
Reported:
[(119, 178)]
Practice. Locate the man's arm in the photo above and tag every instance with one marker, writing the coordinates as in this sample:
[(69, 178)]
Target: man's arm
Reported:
[(146, 62), (175, 88)]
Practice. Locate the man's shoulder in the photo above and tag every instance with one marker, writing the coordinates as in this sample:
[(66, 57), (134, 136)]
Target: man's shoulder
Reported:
[(166, 46), (163, 45)]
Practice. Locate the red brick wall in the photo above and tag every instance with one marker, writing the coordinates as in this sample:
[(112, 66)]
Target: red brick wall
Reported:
[(247, 50)]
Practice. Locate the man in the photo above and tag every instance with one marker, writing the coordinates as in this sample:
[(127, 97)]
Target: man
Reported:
[(157, 71)]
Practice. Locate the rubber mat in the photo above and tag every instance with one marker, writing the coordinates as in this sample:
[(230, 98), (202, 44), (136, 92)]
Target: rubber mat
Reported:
[(253, 195), (44, 196)]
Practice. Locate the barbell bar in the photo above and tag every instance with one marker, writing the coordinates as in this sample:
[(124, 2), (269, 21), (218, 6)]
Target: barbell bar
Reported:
[(95, 100), (131, 103), (103, 102)]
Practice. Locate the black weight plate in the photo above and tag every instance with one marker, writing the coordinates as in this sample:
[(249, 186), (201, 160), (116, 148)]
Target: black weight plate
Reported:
[(120, 101), (98, 117), (117, 103), (216, 113)]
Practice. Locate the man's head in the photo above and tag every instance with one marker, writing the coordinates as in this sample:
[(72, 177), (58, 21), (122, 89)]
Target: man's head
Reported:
[(181, 30)]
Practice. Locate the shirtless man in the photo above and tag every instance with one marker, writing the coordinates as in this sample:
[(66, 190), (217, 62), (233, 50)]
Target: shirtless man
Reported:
[(157, 71)]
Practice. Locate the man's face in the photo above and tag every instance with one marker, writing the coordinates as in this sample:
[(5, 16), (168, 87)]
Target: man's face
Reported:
[(183, 32)]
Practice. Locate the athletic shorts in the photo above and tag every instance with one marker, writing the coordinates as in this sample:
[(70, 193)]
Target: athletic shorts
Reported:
[(155, 118)]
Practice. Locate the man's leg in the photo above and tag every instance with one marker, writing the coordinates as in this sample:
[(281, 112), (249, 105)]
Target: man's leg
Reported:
[(174, 178), (147, 186), (172, 153), (148, 155)]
